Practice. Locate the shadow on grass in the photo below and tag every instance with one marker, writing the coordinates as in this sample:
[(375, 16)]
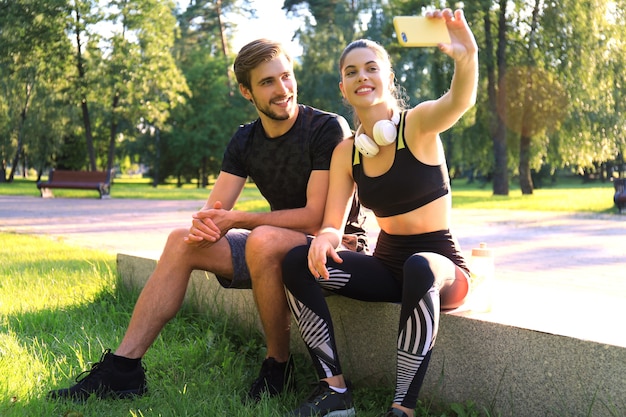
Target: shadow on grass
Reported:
[(197, 365)]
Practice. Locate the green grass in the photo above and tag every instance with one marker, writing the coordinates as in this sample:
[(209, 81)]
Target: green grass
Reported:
[(567, 195), (62, 305)]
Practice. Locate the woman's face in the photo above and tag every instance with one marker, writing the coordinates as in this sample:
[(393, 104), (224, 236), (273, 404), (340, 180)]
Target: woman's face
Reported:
[(365, 78)]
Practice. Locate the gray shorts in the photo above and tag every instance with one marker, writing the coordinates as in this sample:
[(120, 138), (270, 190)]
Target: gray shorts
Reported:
[(241, 276), (237, 239)]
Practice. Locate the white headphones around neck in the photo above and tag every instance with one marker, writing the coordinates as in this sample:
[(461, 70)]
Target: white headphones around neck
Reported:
[(385, 132)]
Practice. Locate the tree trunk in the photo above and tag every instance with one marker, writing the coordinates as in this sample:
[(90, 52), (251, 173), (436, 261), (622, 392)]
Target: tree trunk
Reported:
[(83, 96), (111, 157), (525, 179), (203, 172), (157, 162), (20, 132), (224, 44), (88, 135), (496, 94), (501, 170)]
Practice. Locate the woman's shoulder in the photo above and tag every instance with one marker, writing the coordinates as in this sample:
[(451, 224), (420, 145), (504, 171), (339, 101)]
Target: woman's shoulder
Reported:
[(418, 124), (345, 145), (343, 152)]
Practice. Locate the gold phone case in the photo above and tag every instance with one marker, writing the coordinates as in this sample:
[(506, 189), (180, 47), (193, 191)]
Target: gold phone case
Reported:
[(419, 31)]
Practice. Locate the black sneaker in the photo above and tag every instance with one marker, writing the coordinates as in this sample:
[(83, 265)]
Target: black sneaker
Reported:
[(274, 378), (395, 412), (105, 381), (325, 402)]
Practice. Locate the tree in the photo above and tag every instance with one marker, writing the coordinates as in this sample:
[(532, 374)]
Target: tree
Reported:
[(202, 127), (32, 43), (318, 72), (84, 14), (206, 19), (144, 83), (551, 93), (53, 120), (493, 62), (585, 41), (536, 104)]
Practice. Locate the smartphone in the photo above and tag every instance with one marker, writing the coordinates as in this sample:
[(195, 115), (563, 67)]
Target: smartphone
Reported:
[(420, 31)]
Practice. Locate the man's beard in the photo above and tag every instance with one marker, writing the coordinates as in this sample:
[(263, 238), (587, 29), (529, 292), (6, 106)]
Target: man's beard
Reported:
[(267, 110)]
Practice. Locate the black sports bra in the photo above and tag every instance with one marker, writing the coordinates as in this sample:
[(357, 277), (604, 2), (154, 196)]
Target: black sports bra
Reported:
[(409, 183)]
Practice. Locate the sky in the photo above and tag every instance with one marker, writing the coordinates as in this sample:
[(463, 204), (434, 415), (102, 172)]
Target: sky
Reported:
[(272, 23)]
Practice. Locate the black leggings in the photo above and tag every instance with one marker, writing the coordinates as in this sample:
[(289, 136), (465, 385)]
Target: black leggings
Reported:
[(368, 278)]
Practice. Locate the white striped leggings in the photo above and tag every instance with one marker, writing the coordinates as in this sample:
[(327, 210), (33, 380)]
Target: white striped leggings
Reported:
[(367, 278)]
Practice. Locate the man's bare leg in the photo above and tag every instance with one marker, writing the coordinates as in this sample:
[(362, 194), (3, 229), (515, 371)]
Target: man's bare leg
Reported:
[(121, 375), (164, 292), (265, 250)]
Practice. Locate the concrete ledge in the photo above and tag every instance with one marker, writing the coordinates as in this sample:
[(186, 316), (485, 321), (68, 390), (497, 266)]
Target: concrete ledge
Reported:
[(511, 371)]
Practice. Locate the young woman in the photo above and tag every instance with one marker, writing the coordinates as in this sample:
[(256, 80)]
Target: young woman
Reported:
[(397, 162)]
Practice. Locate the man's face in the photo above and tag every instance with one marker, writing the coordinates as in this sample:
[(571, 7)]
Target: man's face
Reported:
[(274, 91)]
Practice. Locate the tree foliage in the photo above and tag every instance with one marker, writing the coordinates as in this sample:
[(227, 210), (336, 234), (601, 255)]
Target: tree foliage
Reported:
[(156, 89), (32, 46)]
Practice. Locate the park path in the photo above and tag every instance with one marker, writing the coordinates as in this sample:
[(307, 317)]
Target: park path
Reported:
[(562, 273)]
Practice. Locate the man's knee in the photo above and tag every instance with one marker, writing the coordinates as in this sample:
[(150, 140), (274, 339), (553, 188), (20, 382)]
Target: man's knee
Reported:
[(272, 242), (178, 252), (264, 254), (176, 237), (262, 236)]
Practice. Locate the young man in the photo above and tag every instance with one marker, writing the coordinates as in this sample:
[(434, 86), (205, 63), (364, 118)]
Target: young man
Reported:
[(287, 153)]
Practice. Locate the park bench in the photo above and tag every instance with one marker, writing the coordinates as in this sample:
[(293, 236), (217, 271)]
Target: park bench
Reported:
[(77, 180), (620, 193)]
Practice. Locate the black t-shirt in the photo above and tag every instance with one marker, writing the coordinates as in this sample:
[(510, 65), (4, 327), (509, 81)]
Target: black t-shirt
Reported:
[(281, 167)]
